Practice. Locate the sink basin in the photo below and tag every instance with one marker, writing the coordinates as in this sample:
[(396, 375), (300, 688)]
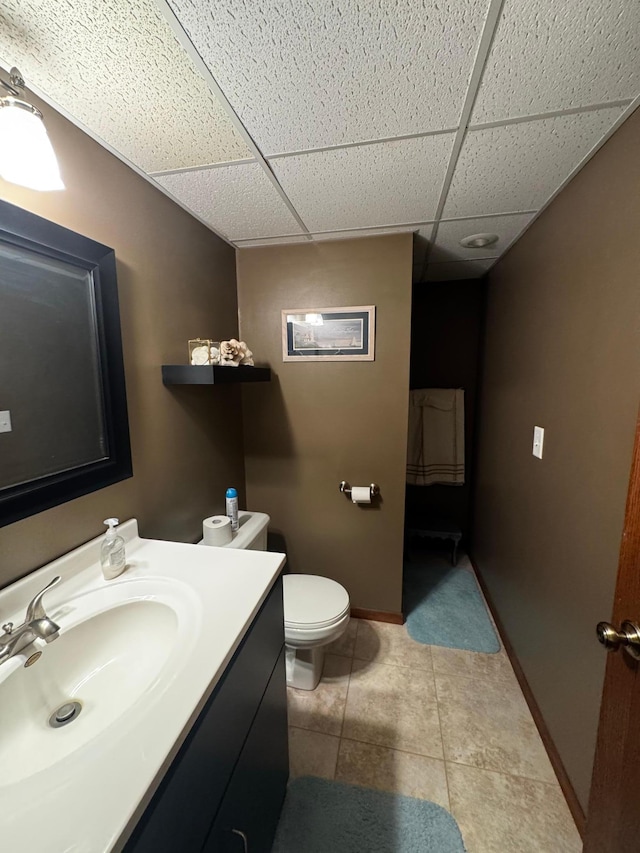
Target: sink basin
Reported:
[(109, 660), (141, 655)]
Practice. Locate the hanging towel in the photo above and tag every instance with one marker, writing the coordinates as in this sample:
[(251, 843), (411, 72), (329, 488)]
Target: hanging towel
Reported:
[(435, 452)]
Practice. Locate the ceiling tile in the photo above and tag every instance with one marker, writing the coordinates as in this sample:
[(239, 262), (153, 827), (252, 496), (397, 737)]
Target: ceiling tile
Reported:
[(270, 241), (362, 232), (118, 69), (239, 201), (323, 236), (447, 246), (309, 75), (457, 270), (518, 166), (382, 184), (550, 56)]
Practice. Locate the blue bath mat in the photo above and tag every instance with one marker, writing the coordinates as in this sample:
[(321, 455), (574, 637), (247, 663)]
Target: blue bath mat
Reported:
[(319, 816), (444, 607)]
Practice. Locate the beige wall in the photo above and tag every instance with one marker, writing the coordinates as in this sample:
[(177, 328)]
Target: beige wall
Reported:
[(317, 424), (176, 280), (563, 352)]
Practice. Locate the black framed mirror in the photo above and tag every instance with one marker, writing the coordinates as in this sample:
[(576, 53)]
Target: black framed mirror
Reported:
[(64, 430)]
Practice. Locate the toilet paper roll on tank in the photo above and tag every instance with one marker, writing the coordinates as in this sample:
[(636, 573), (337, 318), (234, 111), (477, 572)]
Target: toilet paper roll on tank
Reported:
[(361, 494), (216, 530)]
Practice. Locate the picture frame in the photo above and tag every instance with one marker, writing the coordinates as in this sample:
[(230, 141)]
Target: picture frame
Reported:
[(329, 334)]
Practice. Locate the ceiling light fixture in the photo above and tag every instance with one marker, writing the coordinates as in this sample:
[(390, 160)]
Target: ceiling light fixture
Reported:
[(479, 241), (27, 157)]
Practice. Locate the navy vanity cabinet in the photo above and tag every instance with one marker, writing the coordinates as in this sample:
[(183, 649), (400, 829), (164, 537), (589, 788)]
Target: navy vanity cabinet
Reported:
[(238, 741), (248, 816)]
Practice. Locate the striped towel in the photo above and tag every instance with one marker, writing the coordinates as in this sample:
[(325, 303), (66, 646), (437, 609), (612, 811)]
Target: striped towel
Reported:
[(435, 452)]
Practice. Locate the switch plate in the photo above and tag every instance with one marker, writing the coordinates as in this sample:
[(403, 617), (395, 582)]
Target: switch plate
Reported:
[(5, 421), (538, 441)]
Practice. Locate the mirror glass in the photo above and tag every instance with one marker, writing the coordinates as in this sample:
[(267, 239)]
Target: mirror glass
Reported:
[(50, 382), (63, 415)]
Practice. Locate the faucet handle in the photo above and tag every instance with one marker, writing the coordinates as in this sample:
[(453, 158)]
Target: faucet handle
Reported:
[(7, 627), (35, 610)]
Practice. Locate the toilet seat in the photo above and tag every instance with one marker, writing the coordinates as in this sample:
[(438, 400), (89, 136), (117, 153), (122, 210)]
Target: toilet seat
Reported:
[(316, 609), (313, 603)]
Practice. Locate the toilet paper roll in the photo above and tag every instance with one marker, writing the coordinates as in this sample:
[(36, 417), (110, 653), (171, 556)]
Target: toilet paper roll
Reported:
[(216, 530), (361, 494)]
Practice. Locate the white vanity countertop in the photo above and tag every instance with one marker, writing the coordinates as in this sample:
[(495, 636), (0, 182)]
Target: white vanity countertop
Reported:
[(90, 801)]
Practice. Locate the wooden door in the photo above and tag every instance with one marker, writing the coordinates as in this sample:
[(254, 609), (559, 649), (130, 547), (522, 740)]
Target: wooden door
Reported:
[(613, 822)]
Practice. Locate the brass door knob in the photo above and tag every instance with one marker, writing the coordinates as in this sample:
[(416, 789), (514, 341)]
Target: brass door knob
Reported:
[(628, 637)]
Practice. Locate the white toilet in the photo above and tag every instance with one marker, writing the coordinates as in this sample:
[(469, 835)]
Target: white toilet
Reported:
[(316, 612), (316, 609)]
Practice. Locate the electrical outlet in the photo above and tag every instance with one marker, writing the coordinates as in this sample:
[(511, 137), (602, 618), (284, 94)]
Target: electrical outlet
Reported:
[(538, 441), (5, 421)]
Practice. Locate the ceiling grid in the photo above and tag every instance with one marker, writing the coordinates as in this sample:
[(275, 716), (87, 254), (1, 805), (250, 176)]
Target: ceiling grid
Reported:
[(484, 46), (276, 122), (190, 47)]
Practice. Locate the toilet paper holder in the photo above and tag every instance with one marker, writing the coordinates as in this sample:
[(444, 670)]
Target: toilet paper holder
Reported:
[(345, 488)]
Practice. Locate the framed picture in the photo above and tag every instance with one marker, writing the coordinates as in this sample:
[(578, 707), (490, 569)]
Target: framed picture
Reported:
[(329, 334)]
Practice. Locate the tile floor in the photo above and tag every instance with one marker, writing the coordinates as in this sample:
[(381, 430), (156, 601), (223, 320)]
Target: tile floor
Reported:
[(441, 724)]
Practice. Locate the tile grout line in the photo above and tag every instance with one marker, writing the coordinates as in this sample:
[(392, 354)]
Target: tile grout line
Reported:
[(313, 731), (483, 677), (403, 750), (346, 698), (400, 749), (395, 665), (444, 754), (549, 791), (554, 785), (489, 769)]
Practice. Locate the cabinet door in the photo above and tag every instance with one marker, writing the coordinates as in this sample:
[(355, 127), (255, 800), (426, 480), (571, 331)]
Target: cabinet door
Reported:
[(248, 816), (182, 811)]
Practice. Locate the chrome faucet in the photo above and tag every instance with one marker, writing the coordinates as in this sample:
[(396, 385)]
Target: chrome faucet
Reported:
[(36, 625)]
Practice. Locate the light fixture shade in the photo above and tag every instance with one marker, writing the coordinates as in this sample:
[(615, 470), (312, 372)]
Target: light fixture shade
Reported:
[(26, 154)]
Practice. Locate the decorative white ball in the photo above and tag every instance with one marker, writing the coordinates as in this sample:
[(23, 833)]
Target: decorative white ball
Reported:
[(200, 355)]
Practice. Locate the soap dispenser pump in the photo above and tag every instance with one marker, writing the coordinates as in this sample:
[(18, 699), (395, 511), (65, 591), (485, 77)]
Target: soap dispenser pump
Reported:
[(112, 553)]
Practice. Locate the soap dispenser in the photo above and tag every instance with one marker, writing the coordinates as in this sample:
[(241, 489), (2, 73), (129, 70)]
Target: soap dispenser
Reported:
[(112, 554)]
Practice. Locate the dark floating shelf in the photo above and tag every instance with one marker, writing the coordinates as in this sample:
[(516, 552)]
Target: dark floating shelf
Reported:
[(212, 374)]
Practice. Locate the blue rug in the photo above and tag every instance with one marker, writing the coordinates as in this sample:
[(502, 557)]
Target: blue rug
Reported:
[(444, 607), (319, 816)]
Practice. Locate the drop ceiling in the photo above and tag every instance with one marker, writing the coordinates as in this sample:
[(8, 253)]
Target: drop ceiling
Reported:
[(278, 121)]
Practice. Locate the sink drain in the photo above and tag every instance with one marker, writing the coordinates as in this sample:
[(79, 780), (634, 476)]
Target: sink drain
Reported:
[(65, 714)]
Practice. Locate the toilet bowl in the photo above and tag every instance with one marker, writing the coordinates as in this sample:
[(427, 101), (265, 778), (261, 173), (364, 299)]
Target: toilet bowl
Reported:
[(316, 609), (316, 612)]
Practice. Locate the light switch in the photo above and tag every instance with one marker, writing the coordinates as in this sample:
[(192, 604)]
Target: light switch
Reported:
[(5, 421), (538, 441)]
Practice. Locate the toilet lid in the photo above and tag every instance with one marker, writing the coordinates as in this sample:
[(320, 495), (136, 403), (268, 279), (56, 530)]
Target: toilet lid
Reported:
[(311, 601)]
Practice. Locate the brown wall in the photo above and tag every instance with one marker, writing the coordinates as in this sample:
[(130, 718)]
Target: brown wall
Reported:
[(563, 352), (446, 330), (176, 280), (317, 424)]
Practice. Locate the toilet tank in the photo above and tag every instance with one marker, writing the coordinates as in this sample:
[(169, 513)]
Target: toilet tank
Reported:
[(252, 531)]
